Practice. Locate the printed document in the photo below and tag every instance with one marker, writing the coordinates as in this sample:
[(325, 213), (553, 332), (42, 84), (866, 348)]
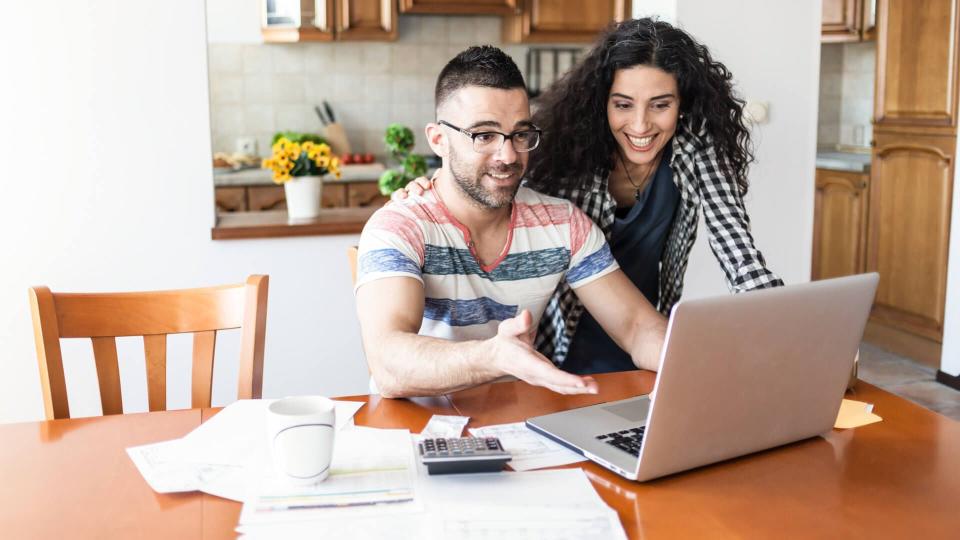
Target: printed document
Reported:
[(530, 450)]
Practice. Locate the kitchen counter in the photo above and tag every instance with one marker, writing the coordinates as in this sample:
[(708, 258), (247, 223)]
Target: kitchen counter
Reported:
[(276, 223), (843, 161), (369, 172)]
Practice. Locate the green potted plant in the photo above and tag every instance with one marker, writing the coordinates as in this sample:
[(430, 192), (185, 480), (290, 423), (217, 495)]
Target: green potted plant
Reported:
[(399, 140)]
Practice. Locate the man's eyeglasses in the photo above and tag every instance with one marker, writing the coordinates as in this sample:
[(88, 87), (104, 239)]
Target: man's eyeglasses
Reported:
[(490, 142)]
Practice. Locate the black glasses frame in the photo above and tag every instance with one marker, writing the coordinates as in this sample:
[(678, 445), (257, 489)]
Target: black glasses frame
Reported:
[(506, 136)]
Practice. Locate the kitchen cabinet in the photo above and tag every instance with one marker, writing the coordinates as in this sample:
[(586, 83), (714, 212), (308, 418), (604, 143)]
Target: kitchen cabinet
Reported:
[(262, 198), (564, 21), (366, 20), (912, 169), (840, 224), (917, 64), (341, 20), (253, 198), (848, 21), (459, 7), (231, 199), (910, 197)]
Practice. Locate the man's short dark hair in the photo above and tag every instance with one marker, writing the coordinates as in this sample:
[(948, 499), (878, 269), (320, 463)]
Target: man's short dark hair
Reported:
[(484, 65)]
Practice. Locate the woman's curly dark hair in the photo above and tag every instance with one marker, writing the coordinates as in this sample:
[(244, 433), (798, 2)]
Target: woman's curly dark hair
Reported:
[(577, 141)]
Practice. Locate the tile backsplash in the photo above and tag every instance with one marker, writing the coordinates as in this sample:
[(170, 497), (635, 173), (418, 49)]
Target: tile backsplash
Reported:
[(847, 72), (259, 89)]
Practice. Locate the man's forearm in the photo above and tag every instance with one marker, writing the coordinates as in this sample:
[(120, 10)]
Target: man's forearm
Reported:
[(405, 364)]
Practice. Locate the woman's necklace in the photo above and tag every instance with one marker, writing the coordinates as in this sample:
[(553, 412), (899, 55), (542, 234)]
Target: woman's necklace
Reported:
[(639, 188)]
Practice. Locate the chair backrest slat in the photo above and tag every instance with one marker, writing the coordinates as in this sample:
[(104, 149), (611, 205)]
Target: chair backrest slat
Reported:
[(153, 315), (108, 374), (201, 385), (155, 351), (144, 313), (352, 252)]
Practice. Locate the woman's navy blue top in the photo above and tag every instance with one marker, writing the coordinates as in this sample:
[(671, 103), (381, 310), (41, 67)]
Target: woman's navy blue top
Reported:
[(637, 240)]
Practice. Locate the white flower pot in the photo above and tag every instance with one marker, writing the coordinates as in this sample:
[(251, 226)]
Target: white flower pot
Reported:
[(303, 196)]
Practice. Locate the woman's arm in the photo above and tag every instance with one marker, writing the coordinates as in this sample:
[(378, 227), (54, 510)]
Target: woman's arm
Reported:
[(729, 227)]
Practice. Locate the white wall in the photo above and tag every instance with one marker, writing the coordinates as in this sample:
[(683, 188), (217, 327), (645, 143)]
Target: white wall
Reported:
[(950, 355), (773, 51), (665, 10), (105, 145), (234, 21)]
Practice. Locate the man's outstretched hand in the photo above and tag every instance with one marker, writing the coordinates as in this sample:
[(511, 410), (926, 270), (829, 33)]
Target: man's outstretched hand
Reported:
[(513, 354)]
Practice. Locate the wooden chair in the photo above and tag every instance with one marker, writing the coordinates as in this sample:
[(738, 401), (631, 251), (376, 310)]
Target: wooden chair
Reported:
[(352, 259), (105, 316)]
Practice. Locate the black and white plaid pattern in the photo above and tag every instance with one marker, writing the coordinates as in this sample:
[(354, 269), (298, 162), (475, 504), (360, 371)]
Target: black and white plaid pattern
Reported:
[(702, 185)]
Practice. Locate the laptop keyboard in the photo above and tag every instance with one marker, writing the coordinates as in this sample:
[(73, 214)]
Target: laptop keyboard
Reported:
[(627, 440)]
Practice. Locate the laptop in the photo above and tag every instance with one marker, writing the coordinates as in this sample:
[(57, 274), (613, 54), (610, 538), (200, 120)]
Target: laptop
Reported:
[(738, 374)]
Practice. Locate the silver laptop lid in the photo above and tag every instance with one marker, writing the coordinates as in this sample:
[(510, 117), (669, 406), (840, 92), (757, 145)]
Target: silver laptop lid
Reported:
[(744, 373)]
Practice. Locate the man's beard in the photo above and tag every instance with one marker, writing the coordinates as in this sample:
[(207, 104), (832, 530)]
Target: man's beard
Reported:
[(471, 182)]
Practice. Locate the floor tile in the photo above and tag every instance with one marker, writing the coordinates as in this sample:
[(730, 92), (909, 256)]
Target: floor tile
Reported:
[(907, 379), (930, 394)]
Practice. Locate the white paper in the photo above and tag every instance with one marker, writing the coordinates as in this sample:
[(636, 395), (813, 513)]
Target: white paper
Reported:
[(529, 450), (548, 505), (216, 456), (372, 473), (166, 471), (444, 426), (239, 431)]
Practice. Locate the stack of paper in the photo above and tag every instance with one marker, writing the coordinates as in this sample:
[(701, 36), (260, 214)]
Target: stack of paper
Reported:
[(357, 501), (373, 474), (215, 457), (529, 449), (540, 505)]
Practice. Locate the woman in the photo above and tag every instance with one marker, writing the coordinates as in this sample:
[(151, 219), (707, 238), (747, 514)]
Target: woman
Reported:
[(642, 135)]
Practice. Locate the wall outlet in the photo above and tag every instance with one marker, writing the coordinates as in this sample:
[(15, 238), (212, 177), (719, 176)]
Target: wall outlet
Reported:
[(858, 135), (756, 112), (246, 145)]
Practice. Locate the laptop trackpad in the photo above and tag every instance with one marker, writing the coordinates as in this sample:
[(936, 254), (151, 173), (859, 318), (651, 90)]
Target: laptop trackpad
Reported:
[(633, 411)]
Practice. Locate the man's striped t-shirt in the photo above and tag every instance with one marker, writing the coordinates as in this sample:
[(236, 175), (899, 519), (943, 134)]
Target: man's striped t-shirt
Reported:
[(549, 240)]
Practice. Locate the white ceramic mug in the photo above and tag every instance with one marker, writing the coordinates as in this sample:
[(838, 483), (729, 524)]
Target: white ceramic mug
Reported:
[(300, 434)]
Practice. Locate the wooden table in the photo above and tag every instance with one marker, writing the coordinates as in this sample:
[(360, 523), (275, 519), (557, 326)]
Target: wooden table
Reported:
[(898, 478)]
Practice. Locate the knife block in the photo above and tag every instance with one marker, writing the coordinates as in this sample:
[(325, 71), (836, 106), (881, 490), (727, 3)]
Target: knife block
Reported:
[(337, 139)]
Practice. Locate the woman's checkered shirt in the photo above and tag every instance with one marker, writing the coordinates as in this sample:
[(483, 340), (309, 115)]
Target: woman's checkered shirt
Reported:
[(702, 185)]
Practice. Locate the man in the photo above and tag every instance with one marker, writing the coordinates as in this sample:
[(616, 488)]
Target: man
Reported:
[(450, 282)]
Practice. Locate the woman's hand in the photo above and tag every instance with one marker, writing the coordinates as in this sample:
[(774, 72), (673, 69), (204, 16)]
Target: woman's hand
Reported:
[(417, 187)]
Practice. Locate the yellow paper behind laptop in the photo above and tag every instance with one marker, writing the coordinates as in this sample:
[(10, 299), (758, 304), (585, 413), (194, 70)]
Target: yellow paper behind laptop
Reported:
[(855, 414)]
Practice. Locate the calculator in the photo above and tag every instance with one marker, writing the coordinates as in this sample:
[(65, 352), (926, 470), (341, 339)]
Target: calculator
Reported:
[(463, 455)]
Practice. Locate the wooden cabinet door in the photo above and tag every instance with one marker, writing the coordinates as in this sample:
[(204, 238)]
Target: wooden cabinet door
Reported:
[(841, 20), (334, 195), (869, 22), (459, 7), (839, 224), (366, 20), (365, 194), (911, 188), (562, 20), (316, 24), (230, 199), (917, 63), (266, 198)]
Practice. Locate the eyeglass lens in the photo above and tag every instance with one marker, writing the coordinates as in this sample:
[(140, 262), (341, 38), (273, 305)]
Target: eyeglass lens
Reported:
[(491, 142)]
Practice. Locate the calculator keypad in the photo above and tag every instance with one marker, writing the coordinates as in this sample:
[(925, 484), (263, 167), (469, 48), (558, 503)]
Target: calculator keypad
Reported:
[(463, 455)]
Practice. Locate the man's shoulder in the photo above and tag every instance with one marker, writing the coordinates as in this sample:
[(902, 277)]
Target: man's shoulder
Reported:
[(414, 209), (530, 196)]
